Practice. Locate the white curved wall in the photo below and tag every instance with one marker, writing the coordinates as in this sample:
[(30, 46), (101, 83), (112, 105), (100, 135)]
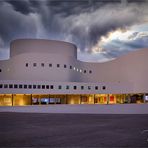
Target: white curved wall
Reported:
[(126, 74), (42, 46)]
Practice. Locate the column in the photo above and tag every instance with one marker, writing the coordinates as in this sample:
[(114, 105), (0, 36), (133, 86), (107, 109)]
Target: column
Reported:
[(31, 99), (12, 99), (94, 98), (107, 98), (144, 98), (80, 99)]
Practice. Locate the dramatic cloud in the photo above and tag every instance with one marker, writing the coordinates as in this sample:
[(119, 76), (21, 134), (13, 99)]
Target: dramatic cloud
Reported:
[(14, 24), (120, 42), (84, 23)]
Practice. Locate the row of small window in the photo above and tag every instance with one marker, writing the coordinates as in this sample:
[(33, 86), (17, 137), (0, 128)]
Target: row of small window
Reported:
[(58, 66), (25, 86)]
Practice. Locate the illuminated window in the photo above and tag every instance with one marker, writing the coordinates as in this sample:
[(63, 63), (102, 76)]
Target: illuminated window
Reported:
[(15, 86), (77, 69), (58, 65), (1, 85), (74, 68), (74, 87), (65, 66), (26, 64), (42, 64), (10, 85), (50, 65), (84, 99), (96, 87), (80, 70), (34, 64)]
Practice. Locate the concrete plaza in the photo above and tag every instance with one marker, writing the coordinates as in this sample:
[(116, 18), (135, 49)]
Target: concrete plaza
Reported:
[(71, 130)]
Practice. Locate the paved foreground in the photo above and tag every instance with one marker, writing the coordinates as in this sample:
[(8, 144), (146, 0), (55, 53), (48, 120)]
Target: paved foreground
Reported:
[(73, 130)]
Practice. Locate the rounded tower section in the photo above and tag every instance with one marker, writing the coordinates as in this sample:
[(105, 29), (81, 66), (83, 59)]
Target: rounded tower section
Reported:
[(42, 60), (22, 46)]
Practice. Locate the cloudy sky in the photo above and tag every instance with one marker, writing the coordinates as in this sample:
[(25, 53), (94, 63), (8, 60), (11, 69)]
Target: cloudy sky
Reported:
[(101, 29)]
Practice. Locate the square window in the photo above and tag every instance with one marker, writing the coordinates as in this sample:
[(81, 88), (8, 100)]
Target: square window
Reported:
[(47, 86), (42, 64), (60, 87), (103, 87), (43, 86), (5, 85), (50, 65), (90, 71), (1, 85), (15, 86), (67, 87), (39, 86), (89, 87), (30, 86), (96, 87), (74, 87), (25, 86), (70, 67), (26, 64), (58, 65), (10, 86), (82, 87), (65, 66), (51, 87), (34, 86), (34, 64), (20, 86)]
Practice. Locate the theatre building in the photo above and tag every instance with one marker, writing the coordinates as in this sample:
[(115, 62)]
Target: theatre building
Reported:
[(48, 72)]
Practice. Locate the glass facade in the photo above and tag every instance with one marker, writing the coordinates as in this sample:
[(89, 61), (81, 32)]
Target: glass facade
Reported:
[(44, 99)]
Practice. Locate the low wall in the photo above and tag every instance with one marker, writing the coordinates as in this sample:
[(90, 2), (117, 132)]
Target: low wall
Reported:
[(80, 109)]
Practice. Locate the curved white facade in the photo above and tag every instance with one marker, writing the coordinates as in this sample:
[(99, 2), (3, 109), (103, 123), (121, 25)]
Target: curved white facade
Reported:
[(39, 66)]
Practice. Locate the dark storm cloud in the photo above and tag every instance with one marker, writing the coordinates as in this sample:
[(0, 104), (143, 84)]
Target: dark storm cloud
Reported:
[(14, 24), (88, 28), (80, 22), (22, 6)]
